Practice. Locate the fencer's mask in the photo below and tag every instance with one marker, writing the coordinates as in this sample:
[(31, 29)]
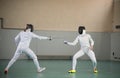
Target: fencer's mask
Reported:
[(81, 30), (29, 27)]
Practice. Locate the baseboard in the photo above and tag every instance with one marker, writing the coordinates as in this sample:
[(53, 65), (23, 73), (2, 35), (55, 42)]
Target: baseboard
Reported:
[(54, 57)]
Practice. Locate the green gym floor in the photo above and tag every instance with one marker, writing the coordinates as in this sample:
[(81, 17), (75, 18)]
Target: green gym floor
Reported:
[(59, 69)]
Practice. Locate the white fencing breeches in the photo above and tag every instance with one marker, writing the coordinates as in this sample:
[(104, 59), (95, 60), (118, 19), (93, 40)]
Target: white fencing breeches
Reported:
[(80, 53), (27, 51)]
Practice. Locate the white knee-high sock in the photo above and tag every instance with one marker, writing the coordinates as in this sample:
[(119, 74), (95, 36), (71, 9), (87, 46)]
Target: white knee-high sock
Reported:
[(10, 63), (75, 57), (94, 64), (74, 63), (36, 63), (91, 54)]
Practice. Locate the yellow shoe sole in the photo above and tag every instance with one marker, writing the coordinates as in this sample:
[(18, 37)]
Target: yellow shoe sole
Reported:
[(72, 71)]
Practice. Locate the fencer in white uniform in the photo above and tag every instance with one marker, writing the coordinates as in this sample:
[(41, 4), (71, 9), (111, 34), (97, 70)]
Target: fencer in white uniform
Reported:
[(86, 47), (22, 41)]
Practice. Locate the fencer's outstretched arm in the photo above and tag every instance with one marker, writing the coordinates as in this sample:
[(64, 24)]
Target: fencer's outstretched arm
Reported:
[(39, 37), (72, 43)]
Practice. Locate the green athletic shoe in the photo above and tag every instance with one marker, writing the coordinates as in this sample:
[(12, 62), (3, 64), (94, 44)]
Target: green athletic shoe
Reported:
[(71, 71), (95, 71)]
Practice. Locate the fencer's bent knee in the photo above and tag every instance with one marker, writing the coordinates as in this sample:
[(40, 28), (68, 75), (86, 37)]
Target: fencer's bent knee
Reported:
[(74, 57)]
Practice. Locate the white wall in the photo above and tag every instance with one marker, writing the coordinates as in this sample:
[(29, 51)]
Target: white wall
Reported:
[(115, 46), (59, 15), (116, 15), (56, 47), (115, 36)]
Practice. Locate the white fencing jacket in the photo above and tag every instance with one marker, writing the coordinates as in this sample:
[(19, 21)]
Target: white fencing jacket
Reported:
[(84, 40), (24, 38)]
